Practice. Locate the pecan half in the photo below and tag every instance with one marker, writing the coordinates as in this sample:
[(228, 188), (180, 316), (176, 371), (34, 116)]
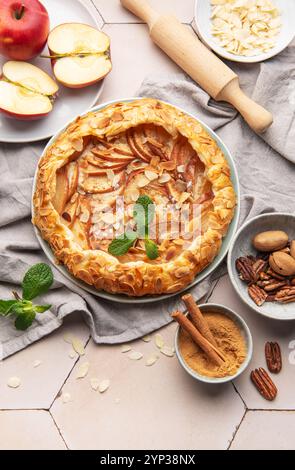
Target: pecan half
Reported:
[(258, 267), (264, 384), (244, 267), (286, 294), (274, 285), (273, 274), (258, 295), (273, 357)]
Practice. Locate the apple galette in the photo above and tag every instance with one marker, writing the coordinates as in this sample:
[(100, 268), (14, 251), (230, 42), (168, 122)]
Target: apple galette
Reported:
[(134, 198)]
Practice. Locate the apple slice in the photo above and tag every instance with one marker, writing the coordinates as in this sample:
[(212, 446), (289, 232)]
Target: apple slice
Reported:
[(61, 195), (26, 91), (30, 77), (22, 104), (79, 53)]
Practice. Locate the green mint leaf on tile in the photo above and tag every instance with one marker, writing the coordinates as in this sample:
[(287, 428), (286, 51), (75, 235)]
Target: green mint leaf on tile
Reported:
[(151, 249), (120, 246), (37, 281), (6, 306)]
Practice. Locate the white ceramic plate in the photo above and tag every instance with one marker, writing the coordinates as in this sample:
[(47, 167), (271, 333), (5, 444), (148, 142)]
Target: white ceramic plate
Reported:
[(287, 33), (146, 299), (242, 246), (70, 102)]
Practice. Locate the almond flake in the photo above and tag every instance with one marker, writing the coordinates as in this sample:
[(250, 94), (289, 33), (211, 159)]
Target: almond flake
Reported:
[(116, 180), (151, 175), (66, 397), (72, 354), (134, 195), (125, 348), (78, 346), (68, 338), (84, 217), (110, 174), (94, 382), (142, 181), (159, 341), (83, 370), (14, 382), (146, 338), (103, 386), (180, 168), (164, 178), (37, 363), (135, 355), (77, 144), (152, 359), (167, 351), (108, 218)]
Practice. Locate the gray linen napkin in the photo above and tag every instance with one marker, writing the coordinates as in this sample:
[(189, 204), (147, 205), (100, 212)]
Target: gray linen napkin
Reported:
[(266, 172)]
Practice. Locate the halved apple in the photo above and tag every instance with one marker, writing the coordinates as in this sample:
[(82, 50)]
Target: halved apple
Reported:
[(80, 54), (26, 92)]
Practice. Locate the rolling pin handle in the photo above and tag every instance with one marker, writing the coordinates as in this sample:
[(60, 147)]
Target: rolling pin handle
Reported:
[(257, 117), (142, 9)]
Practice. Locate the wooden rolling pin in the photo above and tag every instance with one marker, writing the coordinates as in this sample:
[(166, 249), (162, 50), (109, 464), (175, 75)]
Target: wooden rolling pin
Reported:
[(200, 63)]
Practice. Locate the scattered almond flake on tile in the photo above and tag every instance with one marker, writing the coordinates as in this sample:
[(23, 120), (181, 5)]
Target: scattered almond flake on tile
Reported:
[(66, 397), (68, 338), (13, 382), (104, 385), (152, 359), (78, 346), (167, 351), (146, 338), (82, 370), (37, 363), (125, 348), (94, 382), (72, 354), (159, 341), (135, 355)]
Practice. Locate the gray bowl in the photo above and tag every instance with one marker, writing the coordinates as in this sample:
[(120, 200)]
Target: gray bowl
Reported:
[(242, 246), (245, 332)]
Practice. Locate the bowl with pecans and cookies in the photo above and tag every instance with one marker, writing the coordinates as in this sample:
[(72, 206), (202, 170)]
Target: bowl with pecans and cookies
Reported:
[(213, 343), (261, 265)]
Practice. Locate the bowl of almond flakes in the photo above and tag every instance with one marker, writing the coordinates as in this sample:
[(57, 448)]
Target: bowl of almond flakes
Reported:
[(245, 30)]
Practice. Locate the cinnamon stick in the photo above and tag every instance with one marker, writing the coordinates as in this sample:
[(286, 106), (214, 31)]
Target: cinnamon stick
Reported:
[(211, 351), (197, 318)]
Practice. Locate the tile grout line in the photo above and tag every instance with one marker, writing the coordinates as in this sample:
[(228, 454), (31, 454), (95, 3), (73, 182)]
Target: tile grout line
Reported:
[(237, 429), (58, 430), (70, 371)]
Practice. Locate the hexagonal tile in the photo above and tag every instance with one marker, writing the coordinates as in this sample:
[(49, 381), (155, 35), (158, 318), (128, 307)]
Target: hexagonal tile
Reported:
[(262, 329), (266, 430), (39, 385), (113, 12), (157, 407), (29, 430), (134, 56)]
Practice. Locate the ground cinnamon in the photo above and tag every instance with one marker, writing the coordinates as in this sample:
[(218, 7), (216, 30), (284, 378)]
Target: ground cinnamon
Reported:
[(229, 340)]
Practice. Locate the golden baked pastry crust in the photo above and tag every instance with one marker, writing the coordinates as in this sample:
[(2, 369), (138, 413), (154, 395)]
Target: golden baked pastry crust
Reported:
[(135, 274)]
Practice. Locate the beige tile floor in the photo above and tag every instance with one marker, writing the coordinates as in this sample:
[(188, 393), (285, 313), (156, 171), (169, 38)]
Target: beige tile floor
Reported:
[(145, 407)]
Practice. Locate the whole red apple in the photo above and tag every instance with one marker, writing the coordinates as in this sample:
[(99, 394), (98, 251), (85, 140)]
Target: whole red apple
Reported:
[(24, 28)]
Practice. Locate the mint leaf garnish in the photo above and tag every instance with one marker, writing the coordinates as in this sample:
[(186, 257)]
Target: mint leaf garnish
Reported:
[(143, 213), (37, 281), (120, 246), (151, 249)]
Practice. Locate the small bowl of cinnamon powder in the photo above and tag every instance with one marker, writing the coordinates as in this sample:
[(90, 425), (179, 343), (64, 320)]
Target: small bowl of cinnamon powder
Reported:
[(213, 343)]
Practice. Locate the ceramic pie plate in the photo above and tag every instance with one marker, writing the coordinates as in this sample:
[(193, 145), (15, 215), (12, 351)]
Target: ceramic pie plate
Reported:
[(69, 103), (202, 275)]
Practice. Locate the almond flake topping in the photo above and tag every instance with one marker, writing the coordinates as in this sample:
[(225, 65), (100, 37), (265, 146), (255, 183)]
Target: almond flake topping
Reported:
[(180, 168), (84, 216), (142, 181), (164, 178), (151, 175)]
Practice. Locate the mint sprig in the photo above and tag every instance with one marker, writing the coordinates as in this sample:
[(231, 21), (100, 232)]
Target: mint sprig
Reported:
[(36, 281), (143, 214)]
